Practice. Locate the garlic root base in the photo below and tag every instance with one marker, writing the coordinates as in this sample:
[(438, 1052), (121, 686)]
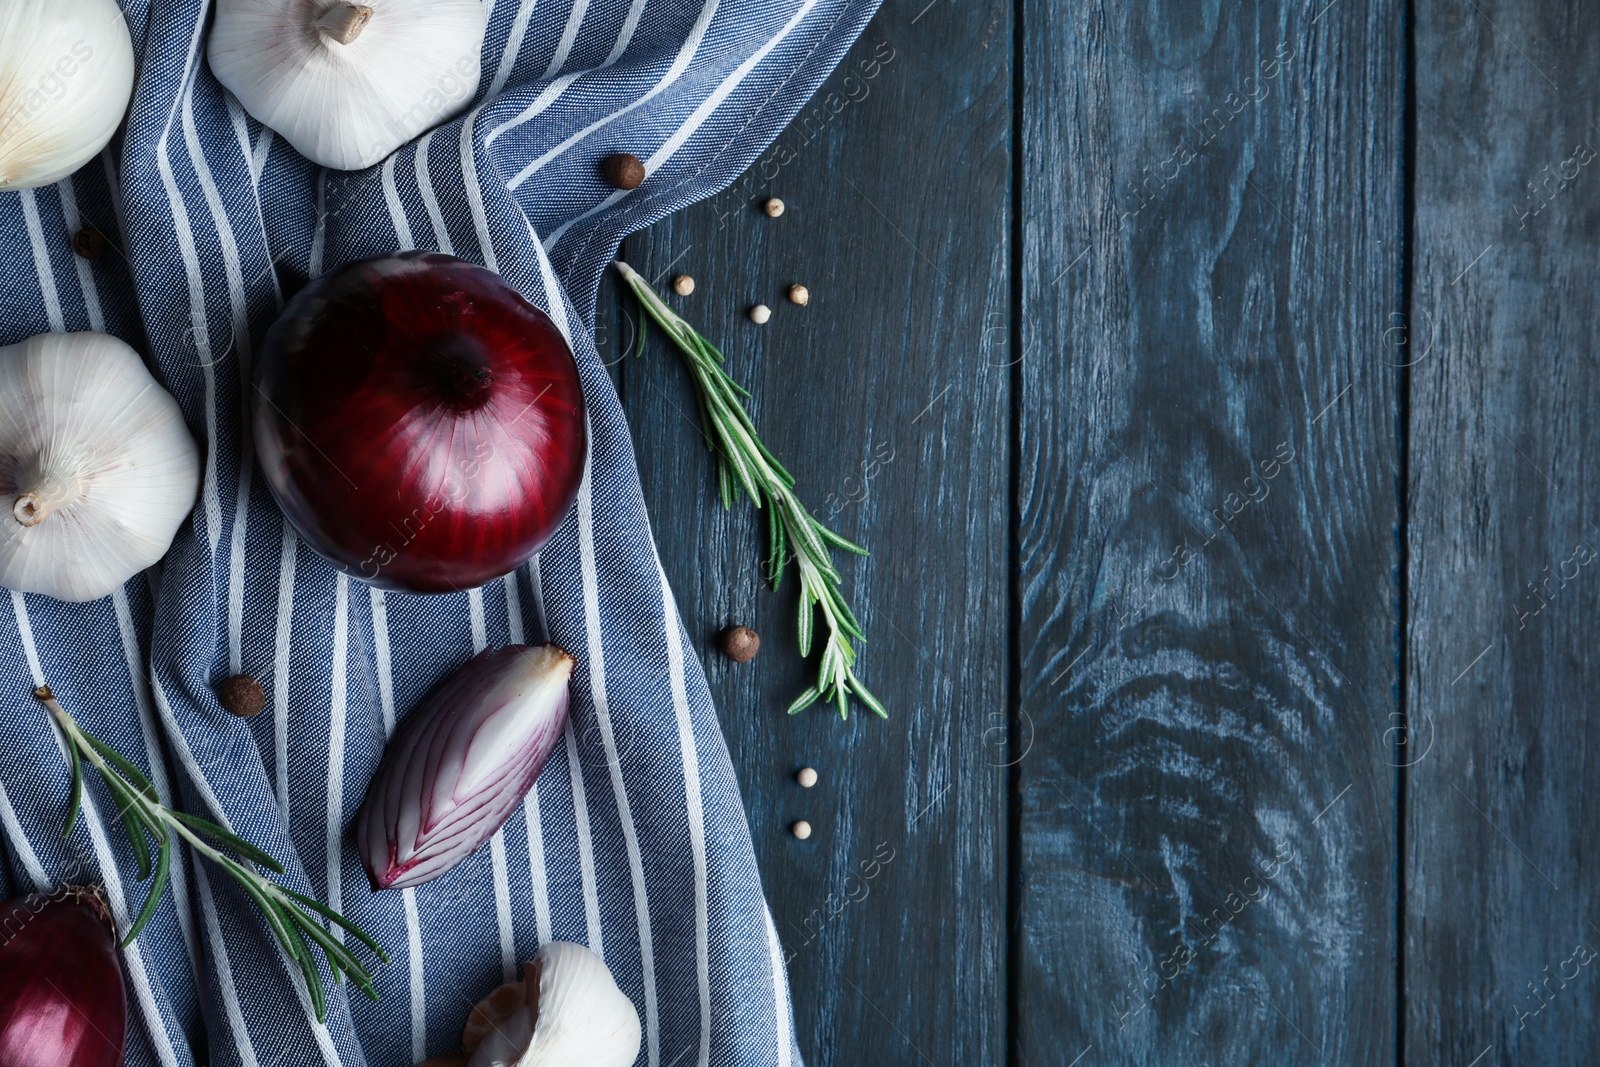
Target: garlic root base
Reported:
[(345, 22)]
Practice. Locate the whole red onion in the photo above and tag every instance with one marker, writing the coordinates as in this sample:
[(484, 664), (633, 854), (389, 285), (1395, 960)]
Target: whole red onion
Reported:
[(461, 763), (62, 1002), (420, 423)]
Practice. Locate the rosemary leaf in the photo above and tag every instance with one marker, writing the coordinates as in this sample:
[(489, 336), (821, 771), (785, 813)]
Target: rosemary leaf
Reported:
[(128, 769), (141, 844), (825, 670), (75, 802), (333, 916), (838, 541), (814, 551), (157, 887), (868, 699), (845, 617), (805, 700), (808, 614), (301, 951), (745, 463), (229, 841), (133, 821), (340, 961), (780, 555), (644, 328), (254, 890)]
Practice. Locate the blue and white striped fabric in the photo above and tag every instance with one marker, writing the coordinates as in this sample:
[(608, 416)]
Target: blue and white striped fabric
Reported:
[(635, 842)]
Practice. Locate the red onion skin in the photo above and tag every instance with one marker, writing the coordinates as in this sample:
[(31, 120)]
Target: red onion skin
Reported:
[(420, 819), (62, 1002), (419, 422)]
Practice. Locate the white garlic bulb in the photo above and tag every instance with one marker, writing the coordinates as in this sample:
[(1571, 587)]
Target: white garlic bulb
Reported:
[(566, 1011), (97, 469), (66, 76), (347, 84)]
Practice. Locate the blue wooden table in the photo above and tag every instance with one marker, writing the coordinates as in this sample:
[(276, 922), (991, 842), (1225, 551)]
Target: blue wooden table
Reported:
[(1213, 384)]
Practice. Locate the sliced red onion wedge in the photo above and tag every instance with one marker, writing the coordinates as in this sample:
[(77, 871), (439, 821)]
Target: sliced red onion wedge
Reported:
[(462, 762)]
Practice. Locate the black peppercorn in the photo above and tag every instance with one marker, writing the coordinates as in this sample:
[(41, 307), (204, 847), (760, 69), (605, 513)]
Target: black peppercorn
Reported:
[(242, 695), (89, 243), (624, 170)]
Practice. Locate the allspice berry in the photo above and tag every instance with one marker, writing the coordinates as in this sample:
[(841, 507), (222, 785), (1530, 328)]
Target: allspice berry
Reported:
[(773, 207), (89, 243), (807, 777), (624, 170), (801, 830), (799, 294), (760, 314), (740, 643), (683, 285), (242, 695)]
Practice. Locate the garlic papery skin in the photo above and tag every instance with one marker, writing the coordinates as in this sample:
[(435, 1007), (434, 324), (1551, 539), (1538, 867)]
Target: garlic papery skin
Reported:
[(66, 76), (97, 469), (570, 1014), (345, 83)]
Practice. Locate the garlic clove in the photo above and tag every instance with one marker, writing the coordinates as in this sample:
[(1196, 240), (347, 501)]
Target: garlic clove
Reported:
[(572, 1013), (66, 76), (581, 1016), (346, 84), (97, 468)]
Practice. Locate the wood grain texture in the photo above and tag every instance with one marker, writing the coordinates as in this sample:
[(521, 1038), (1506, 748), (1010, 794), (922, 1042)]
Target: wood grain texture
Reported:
[(1207, 557), (1219, 365), (897, 181), (1501, 870)]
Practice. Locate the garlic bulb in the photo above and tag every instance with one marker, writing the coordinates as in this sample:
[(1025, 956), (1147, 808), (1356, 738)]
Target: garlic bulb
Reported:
[(66, 76), (566, 1011), (347, 84), (97, 469)]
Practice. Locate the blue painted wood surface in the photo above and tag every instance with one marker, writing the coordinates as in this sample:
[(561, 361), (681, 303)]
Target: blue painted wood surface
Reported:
[(1210, 381), (1500, 868)]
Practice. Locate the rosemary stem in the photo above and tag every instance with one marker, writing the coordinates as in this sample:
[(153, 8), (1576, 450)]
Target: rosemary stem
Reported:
[(280, 907), (745, 462), (153, 812)]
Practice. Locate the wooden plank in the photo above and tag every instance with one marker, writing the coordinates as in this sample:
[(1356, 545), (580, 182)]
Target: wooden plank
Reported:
[(1501, 868), (1207, 509), (897, 182)]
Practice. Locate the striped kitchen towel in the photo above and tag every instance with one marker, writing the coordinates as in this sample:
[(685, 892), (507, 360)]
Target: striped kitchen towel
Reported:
[(635, 842)]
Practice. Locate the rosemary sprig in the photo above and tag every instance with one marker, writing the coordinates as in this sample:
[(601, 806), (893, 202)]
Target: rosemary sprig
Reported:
[(743, 462), (144, 816)]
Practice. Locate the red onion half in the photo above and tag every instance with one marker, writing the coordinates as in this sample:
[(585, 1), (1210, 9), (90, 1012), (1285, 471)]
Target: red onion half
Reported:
[(420, 423), (461, 763), (62, 1002)]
